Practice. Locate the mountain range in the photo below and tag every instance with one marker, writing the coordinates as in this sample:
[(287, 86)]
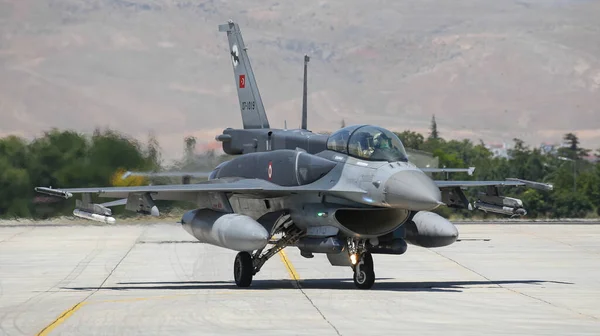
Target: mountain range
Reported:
[(488, 70)]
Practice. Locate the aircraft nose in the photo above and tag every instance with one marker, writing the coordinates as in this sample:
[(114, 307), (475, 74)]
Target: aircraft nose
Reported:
[(412, 190)]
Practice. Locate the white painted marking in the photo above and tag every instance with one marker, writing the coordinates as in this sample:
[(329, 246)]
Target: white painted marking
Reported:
[(237, 55)]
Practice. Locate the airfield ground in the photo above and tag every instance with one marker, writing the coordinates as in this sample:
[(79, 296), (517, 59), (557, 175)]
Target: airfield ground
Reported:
[(152, 279)]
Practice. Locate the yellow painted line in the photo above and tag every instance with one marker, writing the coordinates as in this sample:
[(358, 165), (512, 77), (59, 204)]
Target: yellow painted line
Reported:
[(62, 318), (288, 265), (67, 313)]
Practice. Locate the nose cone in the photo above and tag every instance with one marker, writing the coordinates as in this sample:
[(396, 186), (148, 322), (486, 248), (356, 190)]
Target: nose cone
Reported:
[(412, 190)]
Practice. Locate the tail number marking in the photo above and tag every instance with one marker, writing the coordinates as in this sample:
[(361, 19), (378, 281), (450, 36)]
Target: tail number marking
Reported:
[(249, 105)]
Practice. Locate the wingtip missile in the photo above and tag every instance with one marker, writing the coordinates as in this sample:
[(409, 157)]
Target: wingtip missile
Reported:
[(93, 216), (53, 192), (534, 185)]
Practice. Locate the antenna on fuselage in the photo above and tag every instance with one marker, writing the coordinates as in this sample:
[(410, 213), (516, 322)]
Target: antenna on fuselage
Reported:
[(304, 94)]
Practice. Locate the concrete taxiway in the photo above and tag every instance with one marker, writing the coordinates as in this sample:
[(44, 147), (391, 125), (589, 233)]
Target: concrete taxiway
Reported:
[(153, 279)]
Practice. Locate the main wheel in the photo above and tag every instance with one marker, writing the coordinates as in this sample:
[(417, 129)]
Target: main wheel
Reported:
[(364, 275), (243, 270)]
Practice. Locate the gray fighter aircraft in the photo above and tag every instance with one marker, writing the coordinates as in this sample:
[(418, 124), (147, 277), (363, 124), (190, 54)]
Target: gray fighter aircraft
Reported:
[(348, 195)]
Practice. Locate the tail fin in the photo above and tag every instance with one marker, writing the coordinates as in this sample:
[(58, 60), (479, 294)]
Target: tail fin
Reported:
[(304, 93), (251, 105)]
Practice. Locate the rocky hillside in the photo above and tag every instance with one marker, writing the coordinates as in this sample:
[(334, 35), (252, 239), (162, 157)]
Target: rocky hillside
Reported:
[(490, 70)]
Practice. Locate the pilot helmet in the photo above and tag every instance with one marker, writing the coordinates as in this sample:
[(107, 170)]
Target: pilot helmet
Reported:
[(382, 140)]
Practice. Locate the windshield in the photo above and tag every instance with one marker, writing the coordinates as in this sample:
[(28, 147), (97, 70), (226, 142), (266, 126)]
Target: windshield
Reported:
[(368, 143)]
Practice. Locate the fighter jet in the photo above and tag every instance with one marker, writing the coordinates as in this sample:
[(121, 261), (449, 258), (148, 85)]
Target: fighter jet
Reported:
[(347, 195)]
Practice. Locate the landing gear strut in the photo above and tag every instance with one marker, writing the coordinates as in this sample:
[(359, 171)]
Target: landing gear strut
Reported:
[(246, 265), (362, 264)]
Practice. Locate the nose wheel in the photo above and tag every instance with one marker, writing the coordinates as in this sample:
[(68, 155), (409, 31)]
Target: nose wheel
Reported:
[(364, 274)]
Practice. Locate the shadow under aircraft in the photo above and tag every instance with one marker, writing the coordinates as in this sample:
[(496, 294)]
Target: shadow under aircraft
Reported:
[(344, 284)]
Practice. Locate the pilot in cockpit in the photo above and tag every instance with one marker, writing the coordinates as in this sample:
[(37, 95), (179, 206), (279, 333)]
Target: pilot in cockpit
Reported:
[(382, 141), (364, 141), (373, 147), (382, 147)]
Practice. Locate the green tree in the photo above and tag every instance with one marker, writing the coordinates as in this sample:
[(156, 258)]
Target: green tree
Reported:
[(15, 182), (574, 151), (433, 130), (111, 150), (412, 140), (153, 152), (570, 205), (588, 183), (190, 148), (538, 204), (59, 159), (70, 159)]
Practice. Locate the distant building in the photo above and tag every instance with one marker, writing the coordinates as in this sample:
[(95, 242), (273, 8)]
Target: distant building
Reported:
[(549, 149), (552, 149), (498, 150), (591, 158)]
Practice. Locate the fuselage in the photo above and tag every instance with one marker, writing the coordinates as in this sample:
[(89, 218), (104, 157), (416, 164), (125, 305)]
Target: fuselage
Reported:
[(337, 185)]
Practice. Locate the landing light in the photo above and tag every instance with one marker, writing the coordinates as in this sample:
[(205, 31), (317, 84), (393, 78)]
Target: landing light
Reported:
[(353, 258)]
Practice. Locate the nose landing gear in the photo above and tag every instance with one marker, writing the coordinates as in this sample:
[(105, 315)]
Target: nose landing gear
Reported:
[(364, 275), (362, 264)]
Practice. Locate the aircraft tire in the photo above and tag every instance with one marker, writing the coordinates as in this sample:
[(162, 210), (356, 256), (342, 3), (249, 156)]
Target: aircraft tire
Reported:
[(366, 277), (243, 269)]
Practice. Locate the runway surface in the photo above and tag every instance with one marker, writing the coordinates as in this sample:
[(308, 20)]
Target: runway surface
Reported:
[(154, 280)]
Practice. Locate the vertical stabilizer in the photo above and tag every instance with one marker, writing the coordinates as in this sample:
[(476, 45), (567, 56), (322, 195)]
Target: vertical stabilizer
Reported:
[(251, 105), (304, 95)]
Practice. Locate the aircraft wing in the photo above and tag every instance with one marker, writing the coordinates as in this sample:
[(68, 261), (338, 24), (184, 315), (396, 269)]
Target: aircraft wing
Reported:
[(240, 186), (210, 194), (507, 182), (491, 200), (166, 174)]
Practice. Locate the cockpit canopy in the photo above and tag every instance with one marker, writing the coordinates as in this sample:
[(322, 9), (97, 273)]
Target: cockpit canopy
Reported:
[(368, 143)]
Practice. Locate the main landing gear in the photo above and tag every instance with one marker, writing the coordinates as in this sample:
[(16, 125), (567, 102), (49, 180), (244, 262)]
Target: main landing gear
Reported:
[(243, 270), (362, 264), (246, 265)]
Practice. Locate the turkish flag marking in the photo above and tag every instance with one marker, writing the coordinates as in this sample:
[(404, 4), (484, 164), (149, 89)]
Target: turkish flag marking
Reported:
[(270, 170), (242, 81)]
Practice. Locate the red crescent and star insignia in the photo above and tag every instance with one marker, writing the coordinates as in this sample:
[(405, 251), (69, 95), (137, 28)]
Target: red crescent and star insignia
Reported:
[(270, 170)]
